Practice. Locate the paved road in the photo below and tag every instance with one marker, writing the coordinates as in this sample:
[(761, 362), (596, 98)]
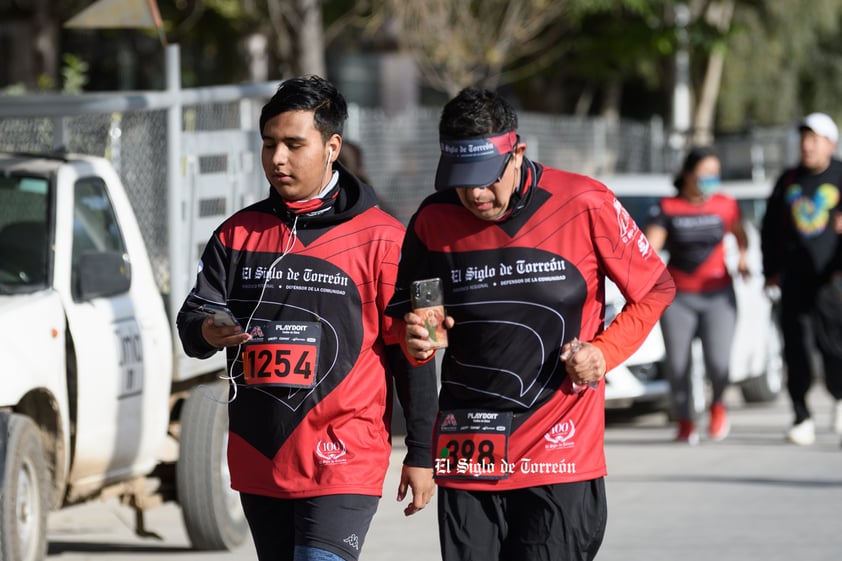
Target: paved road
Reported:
[(751, 497)]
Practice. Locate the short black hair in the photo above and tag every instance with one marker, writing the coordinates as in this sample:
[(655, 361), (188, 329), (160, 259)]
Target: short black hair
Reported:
[(309, 93), (476, 112), (694, 156)]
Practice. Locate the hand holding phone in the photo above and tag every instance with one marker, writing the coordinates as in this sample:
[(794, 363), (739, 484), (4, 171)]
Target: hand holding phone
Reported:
[(221, 315), (427, 298)]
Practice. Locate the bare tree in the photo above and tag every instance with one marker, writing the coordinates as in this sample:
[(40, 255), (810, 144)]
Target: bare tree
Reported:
[(488, 43), (719, 15), (298, 36)]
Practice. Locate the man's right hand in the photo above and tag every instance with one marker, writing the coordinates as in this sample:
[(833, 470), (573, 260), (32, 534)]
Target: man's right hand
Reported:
[(418, 343), (223, 335)]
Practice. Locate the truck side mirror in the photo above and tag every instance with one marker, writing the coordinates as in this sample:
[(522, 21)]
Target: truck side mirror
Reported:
[(104, 273)]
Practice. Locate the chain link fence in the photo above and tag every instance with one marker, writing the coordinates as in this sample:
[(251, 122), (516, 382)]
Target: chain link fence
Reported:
[(137, 142), (400, 151)]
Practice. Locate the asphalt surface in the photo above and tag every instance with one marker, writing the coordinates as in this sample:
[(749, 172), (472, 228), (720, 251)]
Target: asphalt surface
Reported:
[(750, 497)]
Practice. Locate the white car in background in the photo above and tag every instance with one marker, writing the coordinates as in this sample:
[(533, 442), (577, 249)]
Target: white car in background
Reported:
[(756, 361)]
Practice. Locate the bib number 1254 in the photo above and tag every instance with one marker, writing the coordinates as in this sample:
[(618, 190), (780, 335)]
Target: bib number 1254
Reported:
[(275, 364), (283, 354)]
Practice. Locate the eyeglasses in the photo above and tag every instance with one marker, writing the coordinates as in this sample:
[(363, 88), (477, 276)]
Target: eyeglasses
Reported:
[(499, 177)]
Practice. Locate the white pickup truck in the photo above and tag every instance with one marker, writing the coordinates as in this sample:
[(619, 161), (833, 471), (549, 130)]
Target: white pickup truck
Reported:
[(97, 398)]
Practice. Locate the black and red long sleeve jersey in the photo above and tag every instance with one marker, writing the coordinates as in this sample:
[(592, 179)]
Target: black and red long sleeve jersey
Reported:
[(322, 279), (519, 288)]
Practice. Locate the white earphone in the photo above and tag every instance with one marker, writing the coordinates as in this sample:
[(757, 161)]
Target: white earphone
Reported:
[(329, 153)]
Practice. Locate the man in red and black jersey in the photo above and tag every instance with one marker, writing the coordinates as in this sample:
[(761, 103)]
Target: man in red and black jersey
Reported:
[(307, 273), (523, 251)]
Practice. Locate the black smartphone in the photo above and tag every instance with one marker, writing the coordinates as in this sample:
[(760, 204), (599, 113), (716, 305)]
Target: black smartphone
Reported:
[(427, 300), (221, 315)]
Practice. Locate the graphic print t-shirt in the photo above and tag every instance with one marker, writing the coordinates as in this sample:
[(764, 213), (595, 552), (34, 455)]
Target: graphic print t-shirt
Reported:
[(799, 240)]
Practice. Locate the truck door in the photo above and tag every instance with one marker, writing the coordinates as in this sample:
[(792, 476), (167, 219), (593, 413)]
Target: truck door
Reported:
[(121, 410)]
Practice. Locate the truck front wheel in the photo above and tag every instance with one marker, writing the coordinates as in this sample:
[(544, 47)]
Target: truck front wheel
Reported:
[(24, 490), (213, 516)]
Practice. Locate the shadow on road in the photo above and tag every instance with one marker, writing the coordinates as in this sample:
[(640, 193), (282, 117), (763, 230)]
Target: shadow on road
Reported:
[(60, 547)]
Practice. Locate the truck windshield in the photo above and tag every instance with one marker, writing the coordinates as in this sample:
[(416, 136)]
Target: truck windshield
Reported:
[(24, 233)]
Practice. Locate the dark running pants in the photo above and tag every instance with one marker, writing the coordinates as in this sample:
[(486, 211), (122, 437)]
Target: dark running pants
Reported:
[(796, 315), (565, 521)]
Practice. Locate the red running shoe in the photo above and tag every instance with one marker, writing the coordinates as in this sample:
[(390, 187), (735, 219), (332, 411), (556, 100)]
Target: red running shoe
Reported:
[(687, 432), (719, 425)]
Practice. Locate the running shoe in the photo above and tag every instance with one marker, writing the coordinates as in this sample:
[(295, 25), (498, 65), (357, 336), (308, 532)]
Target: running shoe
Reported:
[(803, 433), (719, 426), (687, 432)]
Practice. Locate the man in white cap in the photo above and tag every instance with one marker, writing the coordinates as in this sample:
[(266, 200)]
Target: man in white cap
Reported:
[(802, 255)]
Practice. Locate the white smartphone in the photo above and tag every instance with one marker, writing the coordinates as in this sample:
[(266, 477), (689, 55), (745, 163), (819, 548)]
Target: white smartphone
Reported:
[(221, 315)]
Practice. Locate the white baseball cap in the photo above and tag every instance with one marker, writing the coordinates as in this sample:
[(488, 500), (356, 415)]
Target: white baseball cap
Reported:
[(821, 124)]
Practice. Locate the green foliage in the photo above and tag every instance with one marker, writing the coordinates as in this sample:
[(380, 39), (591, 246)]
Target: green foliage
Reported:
[(210, 34), (581, 9), (783, 57), (13, 89), (785, 60), (45, 83), (612, 45), (229, 9), (74, 74)]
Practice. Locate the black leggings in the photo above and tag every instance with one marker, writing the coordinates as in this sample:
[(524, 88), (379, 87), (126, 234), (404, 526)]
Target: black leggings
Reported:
[(334, 523)]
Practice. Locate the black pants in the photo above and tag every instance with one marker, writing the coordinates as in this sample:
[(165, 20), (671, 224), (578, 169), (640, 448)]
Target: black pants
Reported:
[(800, 346), (336, 523), (547, 523)]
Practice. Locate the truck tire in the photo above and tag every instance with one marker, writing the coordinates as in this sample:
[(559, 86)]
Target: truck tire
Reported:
[(24, 490), (213, 516), (763, 388)]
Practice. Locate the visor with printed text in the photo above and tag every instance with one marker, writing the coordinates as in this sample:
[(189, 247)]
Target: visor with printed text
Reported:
[(473, 162)]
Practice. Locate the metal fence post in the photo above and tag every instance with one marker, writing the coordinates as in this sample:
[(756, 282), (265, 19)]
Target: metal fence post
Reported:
[(176, 212), (4, 436), (657, 142)]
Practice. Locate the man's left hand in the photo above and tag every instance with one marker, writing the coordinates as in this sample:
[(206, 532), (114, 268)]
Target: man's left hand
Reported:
[(584, 362), (420, 481)]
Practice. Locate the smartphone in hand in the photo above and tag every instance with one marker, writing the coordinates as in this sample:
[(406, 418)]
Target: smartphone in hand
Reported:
[(427, 299), (221, 315)]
